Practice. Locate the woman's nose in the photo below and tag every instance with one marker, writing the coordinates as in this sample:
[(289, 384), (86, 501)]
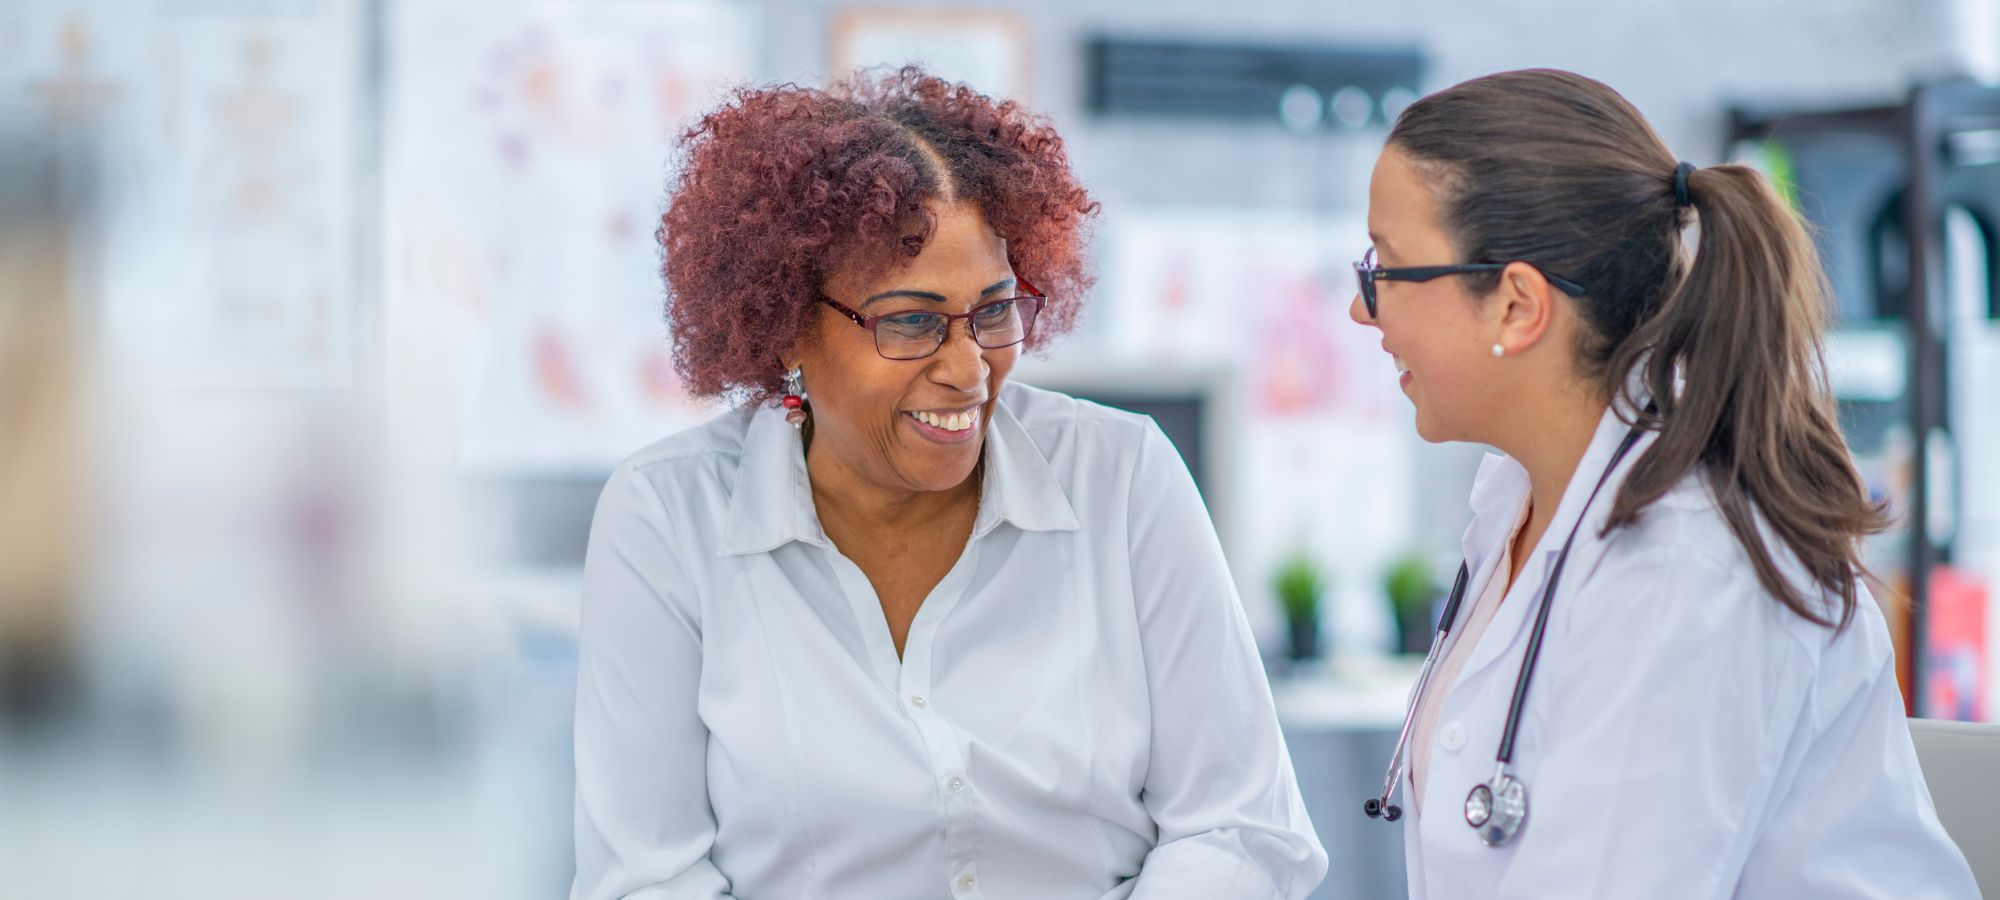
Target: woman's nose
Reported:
[(961, 362)]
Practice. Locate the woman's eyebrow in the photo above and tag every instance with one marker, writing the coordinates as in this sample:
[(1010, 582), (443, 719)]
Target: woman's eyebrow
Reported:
[(920, 295), (932, 296)]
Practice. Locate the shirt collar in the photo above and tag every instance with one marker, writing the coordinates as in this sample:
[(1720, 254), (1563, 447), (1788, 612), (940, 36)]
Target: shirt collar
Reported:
[(772, 504), (1020, 485)]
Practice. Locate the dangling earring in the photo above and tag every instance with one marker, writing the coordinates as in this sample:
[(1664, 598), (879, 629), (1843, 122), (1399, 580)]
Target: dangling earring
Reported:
[(1499, 351), (794, 400)]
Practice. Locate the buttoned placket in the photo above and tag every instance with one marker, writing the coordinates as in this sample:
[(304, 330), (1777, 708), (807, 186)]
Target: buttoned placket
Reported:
[(910, 681)]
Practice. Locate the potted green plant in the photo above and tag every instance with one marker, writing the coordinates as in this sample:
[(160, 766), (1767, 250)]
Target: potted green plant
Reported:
[(1300, 584), (1413, 592)]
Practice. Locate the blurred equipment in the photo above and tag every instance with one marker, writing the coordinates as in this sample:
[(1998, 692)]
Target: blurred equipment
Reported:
[(1905, 201), (1297, 84)]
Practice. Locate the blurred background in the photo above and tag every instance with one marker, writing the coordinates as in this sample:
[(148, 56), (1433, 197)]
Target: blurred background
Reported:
[(323, 321)]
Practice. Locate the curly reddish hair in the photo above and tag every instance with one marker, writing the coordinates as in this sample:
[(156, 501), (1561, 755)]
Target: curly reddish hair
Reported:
[(782, 184)]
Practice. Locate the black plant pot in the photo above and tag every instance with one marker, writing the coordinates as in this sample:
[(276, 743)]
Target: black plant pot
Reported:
[(1304, 634), (1413, 629)]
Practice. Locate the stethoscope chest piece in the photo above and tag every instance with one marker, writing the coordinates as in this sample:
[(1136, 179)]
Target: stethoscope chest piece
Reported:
[(1497, 810)]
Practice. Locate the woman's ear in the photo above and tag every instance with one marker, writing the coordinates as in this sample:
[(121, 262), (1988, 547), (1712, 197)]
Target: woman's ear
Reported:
[(1522, 308), (804, 349), (794, 356)]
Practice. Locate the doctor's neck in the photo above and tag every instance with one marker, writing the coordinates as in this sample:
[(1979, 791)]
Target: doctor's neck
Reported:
[(1548, 432)]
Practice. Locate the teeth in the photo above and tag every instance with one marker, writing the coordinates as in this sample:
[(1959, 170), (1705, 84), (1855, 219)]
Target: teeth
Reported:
[(1400, 368), (953, 422)]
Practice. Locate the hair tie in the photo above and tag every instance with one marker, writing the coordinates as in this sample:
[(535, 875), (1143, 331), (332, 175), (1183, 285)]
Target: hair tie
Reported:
[(1681, 173)]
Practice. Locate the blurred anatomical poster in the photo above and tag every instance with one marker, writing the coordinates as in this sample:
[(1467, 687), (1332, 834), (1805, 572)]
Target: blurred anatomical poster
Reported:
[(208, 150), (529, 149)]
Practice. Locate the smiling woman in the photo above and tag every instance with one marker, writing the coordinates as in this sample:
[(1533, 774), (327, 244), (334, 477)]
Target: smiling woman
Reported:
[(783, 187), (950, 636), (898, 406)]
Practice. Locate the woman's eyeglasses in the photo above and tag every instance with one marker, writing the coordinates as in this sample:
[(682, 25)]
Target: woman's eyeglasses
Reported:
[(1367, 272), (919, 333)]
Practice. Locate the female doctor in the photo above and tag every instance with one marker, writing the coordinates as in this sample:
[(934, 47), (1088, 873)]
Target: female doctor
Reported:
[(1660, 675)]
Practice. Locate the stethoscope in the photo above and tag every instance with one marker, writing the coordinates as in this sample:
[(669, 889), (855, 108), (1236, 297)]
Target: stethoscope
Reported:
[(1498, 807)]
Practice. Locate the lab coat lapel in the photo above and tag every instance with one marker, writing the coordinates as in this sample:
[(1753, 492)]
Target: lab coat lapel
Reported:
[(1509, 626)]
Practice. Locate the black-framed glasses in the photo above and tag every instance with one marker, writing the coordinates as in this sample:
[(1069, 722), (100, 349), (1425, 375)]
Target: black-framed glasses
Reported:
[(1367, 272), (916, 334)]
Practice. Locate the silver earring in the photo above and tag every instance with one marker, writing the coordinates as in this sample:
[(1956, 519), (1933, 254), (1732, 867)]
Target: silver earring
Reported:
[(1499, 351), (794, 400)]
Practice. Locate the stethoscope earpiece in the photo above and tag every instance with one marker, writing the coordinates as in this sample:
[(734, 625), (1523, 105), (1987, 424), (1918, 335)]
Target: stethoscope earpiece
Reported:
[(1376, 809)]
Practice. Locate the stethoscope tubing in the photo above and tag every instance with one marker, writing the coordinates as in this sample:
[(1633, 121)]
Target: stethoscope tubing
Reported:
[(1381, 807)]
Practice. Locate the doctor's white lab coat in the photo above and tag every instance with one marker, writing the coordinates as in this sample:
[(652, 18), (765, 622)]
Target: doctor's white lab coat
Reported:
[(1686, 736)]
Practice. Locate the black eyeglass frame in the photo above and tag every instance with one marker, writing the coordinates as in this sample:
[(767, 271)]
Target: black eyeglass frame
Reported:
[(1367, 273)]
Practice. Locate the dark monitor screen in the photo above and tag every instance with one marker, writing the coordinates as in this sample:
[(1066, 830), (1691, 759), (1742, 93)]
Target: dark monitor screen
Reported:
[(1182, 416)]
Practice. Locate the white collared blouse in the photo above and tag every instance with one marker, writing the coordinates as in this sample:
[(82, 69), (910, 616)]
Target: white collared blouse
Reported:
[(1080, 711)]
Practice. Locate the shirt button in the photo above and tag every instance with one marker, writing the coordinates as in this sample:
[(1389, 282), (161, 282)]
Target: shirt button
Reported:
[(955, 785), (965, 882), (918, 701), (1454, 737)]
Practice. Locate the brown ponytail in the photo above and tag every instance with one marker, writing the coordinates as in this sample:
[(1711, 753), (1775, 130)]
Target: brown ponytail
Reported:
[(1560, 171)]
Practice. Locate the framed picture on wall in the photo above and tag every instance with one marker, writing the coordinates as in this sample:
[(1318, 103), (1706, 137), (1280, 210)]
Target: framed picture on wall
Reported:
[(988, 49)]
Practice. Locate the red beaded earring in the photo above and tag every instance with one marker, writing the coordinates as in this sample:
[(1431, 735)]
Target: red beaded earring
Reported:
[(794, 399)]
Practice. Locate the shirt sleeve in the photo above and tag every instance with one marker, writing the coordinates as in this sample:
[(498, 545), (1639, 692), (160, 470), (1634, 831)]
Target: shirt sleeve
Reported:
[(1219, 784), (644, 827), (1670, 709)]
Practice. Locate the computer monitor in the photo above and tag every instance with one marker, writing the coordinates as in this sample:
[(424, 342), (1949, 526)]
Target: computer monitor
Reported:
[(1191, 405)]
